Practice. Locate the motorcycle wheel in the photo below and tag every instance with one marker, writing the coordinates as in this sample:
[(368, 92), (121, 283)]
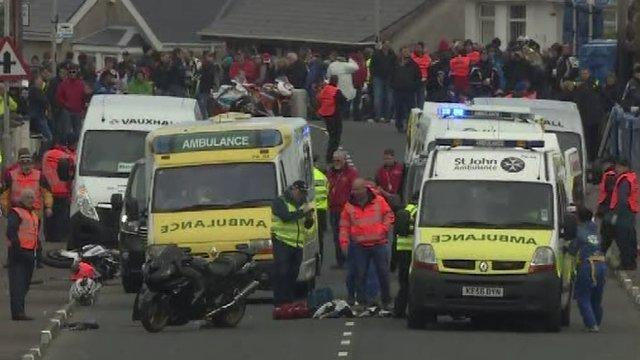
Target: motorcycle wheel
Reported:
[(232, 317), (55, 259), (154, 316)]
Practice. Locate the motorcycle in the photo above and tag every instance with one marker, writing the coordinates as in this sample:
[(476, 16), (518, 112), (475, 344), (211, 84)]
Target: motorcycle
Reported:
[(178, 288), (232, 98), (105, 261)]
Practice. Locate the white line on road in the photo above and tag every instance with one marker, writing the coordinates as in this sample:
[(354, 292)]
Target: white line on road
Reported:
[(343, 354), (345, 342), (346, 333), (349, 323)]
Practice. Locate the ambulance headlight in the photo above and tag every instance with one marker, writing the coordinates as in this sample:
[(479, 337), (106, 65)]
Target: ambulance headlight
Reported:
[(85, 205), (127, 226), (544, 259), (424, 257), (261, 246)]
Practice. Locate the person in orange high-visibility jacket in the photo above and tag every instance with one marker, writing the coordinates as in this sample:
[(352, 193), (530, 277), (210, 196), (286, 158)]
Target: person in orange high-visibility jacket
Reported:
[(460, 66), (22, 237), (24, 177), (605, 190), (58, 225), (330, 100), (624, 204), (365, 222)]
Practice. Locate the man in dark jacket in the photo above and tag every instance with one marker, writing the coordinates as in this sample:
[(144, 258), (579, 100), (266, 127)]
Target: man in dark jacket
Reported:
[(591, 107), (631, 97), (483, 78), (208, 76), (382, 64), (405, 79), (296, 71), (38, 107)]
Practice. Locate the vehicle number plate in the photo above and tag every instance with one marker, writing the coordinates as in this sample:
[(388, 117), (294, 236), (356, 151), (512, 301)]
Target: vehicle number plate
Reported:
[(477, 291)]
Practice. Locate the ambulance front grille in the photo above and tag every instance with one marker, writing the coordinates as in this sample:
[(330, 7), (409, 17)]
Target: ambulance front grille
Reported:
[(507, 265), (459, 264)]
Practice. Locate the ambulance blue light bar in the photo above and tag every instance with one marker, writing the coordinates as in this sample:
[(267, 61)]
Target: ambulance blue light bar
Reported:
[(525, 144), (447, 112)]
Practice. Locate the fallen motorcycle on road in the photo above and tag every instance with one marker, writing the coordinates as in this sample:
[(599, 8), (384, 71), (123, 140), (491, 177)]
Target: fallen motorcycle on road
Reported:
[(178, 288)]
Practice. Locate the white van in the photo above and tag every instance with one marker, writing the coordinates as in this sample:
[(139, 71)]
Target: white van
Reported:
[(559, 117), (112, 139)]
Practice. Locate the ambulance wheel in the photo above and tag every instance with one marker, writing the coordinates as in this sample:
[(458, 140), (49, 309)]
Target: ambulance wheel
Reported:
[(553, 320)]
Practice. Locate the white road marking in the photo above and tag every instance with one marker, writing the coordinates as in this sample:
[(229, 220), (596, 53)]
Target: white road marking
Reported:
[(346, 333), (343, 354), (349, 323), (345, 342)]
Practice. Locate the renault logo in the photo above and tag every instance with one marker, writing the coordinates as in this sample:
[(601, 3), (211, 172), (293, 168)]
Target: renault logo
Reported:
[(484, 266)]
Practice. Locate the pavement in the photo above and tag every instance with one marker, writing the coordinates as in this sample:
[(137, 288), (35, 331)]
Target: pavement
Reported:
[(259, 337), (49, 292)]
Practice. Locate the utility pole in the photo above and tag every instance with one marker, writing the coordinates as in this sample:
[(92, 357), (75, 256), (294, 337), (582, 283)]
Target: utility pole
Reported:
[(54, 32), (376, 19), (6, 129)]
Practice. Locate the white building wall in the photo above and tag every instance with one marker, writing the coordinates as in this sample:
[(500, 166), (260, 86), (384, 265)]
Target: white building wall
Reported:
[(544, 20)]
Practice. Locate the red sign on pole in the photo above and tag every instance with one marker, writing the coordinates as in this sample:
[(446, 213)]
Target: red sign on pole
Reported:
[(12, 65)]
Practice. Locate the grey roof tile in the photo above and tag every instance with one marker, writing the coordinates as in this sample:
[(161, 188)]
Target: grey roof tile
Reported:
[(346, 21), (105, 37), (40, 20), (178, 21)]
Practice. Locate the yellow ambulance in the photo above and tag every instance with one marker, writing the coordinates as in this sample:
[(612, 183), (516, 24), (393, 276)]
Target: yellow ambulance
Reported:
[(212, 184)]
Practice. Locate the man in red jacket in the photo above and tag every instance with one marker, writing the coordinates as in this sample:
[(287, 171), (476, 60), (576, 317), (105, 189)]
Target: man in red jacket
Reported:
[(243, 65), (340, 178), (366, 220), (389, 176), (423, 60), (71, 96)]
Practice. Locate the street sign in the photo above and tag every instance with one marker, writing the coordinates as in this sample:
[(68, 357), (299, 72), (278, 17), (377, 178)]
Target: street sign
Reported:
[(64, 31), (12, 65), (26, 14)]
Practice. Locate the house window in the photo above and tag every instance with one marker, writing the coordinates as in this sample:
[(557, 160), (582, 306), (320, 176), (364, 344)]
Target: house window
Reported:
[(517, 21), (610, 23), (487, 23)]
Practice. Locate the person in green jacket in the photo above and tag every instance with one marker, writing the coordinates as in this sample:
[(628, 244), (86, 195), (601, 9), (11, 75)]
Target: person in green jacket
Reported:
[(140, 84)]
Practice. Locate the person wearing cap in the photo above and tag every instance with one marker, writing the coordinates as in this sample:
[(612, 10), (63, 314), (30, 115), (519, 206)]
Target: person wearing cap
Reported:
[(291, 215), (624, 205), (266, 71), (71, 96), (22, 234)]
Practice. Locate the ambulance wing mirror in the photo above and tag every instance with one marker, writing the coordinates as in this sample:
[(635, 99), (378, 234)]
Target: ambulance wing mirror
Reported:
[(65, 170)]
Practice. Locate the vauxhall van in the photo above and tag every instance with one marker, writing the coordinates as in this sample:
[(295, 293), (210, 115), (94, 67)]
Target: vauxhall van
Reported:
[(112, 139)]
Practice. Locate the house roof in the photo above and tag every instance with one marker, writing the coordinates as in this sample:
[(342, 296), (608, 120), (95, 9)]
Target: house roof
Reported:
[(177, 22), (114, 36), (40, 17), (326, 21)]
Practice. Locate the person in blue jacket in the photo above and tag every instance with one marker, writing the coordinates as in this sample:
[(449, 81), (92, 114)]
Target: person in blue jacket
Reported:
[(591, 269)]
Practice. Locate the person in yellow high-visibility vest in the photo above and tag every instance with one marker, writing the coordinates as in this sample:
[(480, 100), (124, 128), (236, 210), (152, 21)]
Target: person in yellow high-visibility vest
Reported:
[(404, 227), (321, 191)]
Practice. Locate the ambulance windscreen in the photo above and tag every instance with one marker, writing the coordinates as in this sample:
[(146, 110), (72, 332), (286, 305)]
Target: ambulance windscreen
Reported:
[(219, 186), (487, 204)]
